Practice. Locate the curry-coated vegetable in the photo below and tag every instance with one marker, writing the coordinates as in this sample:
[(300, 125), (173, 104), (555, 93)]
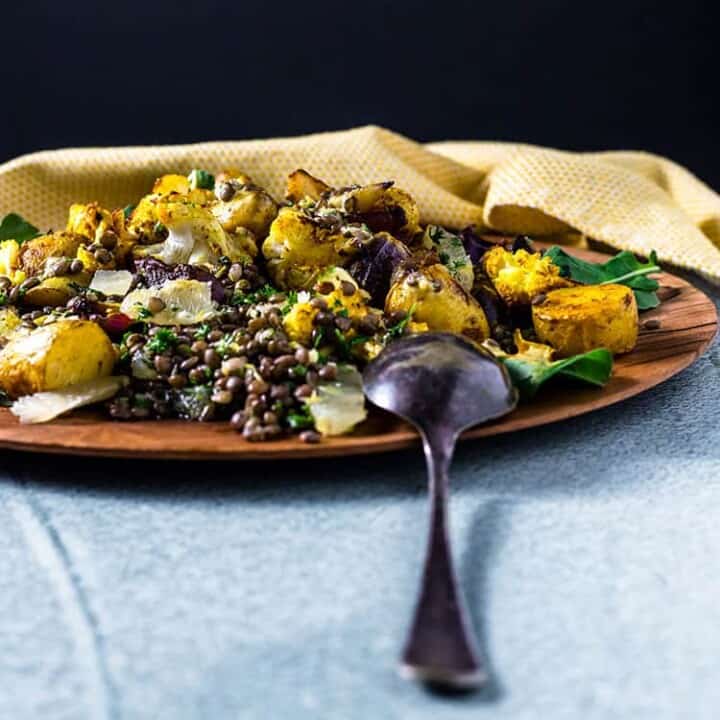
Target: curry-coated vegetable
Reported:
[(55, 356), (575, 320), (518, 277), (435, 298)]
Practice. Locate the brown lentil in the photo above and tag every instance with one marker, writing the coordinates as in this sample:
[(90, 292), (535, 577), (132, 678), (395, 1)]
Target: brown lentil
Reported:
[(156, 305), (310, 436)]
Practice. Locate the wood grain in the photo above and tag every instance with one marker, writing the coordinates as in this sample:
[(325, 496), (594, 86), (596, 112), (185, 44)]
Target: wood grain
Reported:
[(688, 323)]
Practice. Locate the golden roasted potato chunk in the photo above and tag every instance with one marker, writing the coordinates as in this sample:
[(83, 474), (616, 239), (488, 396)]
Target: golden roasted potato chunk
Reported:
[(34, 253), (250, 208), (301, 184), (518, 277), (436, 299), (578, 319), (381, 206), (55, 356), (55, 291)]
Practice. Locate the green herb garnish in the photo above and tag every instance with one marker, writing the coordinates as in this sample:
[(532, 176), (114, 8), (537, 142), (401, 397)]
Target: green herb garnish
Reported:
[(128, 211), (396, 331), (202, 332), (532, 366), (15, 227), (201, 179), (300, 420), (292, 298), (143, 312), (624, 269), (250, 298), (162, 340)]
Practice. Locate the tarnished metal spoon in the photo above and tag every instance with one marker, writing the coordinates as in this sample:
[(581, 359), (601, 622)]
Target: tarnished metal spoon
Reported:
[(441, 384)]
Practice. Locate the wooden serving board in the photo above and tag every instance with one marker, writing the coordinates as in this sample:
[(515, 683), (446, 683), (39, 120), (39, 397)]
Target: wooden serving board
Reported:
[(687, 324)]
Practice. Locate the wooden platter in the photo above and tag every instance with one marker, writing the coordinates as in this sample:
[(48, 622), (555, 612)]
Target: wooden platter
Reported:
[(687, 324)]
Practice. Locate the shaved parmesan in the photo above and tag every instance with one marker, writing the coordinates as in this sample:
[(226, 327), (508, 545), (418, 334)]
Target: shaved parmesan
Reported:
[(44, 406)]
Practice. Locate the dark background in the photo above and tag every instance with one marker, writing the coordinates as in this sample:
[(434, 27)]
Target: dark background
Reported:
[(580, 75)]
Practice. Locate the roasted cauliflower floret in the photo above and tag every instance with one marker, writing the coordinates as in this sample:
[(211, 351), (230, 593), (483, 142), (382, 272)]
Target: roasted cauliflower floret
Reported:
[(518, 277), (195, 236), (245, 206), (435, 298), (299, 246), (90, 221), (9, 321), (167, 184), (578, 319), (341, 294), (145, 223), (34, 253), (55, 356)]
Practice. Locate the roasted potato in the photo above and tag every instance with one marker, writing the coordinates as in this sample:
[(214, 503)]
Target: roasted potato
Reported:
[(233, 174), (301, 185), (438, 300), (380, 206), (250, 208), (55, 356), (34, 253), (55, 291), (577, 319), (518, 277)]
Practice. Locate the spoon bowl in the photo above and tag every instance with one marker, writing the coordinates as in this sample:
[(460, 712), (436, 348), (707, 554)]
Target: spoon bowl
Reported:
[(441, 384)]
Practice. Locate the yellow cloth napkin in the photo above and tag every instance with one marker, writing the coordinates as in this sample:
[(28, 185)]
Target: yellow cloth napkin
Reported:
[(629, 200)]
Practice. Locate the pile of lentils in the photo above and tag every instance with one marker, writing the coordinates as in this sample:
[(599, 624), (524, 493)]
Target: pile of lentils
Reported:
[(240, 367)]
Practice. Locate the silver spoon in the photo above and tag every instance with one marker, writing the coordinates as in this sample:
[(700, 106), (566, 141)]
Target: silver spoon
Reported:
[(441, 384)]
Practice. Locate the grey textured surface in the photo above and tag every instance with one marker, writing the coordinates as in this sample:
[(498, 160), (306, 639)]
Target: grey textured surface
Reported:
[(588, 551)]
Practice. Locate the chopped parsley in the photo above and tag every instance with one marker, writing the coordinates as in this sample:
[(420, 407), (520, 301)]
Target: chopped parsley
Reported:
[(250, 298), (161, 341), (300, 420), (292, 298), (142, 312), (128, 211), (202, 332), (395, 331)]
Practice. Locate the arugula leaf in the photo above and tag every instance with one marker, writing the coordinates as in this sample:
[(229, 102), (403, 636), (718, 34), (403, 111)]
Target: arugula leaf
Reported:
[(532, 365), (624, 269), (528, 376), (15, 227)]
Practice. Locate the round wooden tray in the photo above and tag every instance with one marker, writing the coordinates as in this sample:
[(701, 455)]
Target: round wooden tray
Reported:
[(688, 323)]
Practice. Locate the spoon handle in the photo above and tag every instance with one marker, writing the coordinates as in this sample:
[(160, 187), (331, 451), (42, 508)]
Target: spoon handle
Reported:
[(441, 647)]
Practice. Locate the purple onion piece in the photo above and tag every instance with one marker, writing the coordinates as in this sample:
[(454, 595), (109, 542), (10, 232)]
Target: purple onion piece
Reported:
[(374, 267), (154, 272)]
